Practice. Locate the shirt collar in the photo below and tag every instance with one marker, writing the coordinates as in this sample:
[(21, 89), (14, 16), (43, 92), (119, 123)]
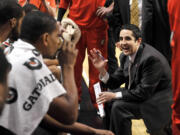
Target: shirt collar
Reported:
[(23, 44), (132, 57)]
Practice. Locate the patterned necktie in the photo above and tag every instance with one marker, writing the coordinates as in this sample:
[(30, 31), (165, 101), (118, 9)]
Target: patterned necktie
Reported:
[(134, 13)]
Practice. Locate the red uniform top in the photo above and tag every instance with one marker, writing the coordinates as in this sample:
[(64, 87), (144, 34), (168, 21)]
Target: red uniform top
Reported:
[(22, 2), (39, 4), (83, 12), (174, 18)]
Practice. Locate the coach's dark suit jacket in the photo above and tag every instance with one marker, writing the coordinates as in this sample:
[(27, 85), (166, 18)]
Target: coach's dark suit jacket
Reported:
[(155, 26), (150, 85)]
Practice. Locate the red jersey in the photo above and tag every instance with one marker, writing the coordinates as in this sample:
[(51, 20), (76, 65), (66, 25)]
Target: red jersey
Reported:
[(83, 12), (39, 4), (174, 18), (22, 2)]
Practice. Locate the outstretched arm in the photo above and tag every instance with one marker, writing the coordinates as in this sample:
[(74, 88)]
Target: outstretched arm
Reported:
[(76, 128)]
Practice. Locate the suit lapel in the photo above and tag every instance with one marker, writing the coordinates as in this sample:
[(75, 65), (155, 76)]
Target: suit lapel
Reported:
[(135, 64)]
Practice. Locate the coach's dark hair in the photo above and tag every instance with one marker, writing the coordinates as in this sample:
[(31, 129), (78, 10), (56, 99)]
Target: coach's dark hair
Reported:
[(136, 31), (35, 24), (9, 9)]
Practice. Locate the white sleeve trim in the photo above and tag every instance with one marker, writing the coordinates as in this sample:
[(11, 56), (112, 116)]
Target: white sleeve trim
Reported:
[(104, 78), (118, 95)]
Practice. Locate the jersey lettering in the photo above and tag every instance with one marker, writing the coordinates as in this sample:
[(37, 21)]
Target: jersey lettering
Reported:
[(36, 93)]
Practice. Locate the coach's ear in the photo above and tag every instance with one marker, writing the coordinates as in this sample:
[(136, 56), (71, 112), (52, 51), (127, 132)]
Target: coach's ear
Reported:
[(139, 40), (13, 22)]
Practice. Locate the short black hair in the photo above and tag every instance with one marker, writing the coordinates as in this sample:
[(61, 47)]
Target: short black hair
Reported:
[(135, 30), (5, 66), (35, 24), (9, 9), (29, 8)]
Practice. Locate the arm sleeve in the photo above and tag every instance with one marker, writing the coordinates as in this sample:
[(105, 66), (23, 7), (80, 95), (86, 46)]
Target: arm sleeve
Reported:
[(117, 78), (104, 78)]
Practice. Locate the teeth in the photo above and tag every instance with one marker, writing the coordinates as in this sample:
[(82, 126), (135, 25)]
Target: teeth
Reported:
[(125, 47)]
